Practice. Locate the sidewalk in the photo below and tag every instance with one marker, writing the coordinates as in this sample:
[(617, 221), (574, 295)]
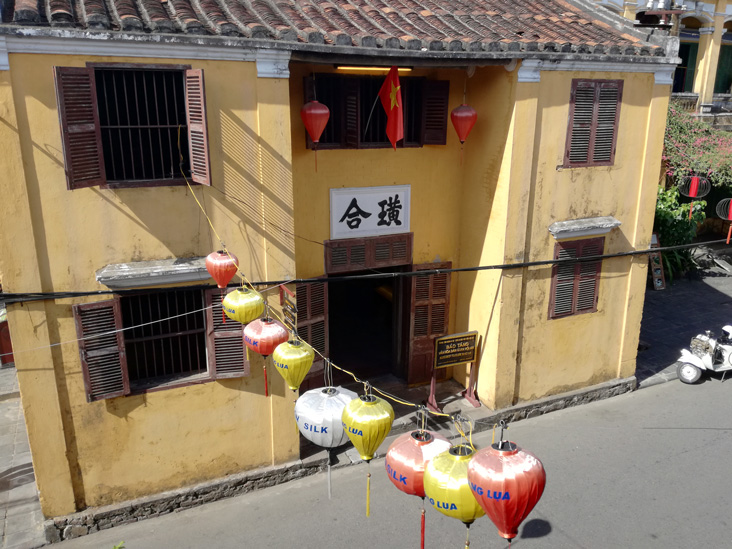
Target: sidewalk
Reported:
[(20, 510)]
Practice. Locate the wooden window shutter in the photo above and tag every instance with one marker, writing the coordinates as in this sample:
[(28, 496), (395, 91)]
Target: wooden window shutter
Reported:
[(593, 122), (390, 251), (345, 255), (352, 112), (76, 96), (197, 131), (312, 327), (227, 357), (435, 98), (357, 254), (308, 90), (575, 286), (102, 350), (429, 317)]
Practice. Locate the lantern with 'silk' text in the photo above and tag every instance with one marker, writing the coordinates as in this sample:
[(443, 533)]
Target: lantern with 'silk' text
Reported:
[(243, 305), (293, 360), (315, 116), (507, 482), (367, 421), (407, 459), (263, 336)]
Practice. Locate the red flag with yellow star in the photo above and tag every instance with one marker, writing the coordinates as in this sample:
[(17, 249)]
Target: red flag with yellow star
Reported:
[(391, 98)]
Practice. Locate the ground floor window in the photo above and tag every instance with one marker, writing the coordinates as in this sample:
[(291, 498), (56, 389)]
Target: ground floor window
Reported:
[(575, 286)]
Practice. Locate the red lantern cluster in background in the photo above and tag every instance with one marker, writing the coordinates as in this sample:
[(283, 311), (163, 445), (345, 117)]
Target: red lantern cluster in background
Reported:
[(315, 116)]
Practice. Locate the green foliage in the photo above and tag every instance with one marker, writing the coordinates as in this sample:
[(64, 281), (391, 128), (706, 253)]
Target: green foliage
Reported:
[(674, 228), (691, 146)]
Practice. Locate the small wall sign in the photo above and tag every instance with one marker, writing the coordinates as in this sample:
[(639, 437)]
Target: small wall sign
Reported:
[(356, 212), (455, 349)]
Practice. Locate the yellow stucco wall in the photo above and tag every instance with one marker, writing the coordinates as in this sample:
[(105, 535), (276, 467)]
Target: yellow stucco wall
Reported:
[(131, 446)]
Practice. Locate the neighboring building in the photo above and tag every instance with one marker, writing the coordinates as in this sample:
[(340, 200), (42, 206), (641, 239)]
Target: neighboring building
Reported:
[(563, 162), (703, 79)]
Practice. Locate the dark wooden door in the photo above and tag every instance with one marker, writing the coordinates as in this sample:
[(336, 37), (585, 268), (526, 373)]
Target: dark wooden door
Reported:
[(429, 313)]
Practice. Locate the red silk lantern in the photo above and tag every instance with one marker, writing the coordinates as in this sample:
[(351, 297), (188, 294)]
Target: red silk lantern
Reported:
[(694, 186), (463, 118), (724, 210), (263, 336), (222, 267), (315, 116), (507, 481)]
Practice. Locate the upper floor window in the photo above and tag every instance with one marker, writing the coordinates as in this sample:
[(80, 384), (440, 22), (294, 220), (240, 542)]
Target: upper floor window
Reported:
[(575, 286), (358, 121), (594, 111), (128, 125)]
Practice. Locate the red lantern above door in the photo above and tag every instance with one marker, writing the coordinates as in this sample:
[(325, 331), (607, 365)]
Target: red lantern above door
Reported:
[(315, 116), (263, 336), (222, 266), (463, 118)]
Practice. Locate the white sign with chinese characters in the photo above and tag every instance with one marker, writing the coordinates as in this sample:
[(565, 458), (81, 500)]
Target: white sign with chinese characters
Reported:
[(369, 211)]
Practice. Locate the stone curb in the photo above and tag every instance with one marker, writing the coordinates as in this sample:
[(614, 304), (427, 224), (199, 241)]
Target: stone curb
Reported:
[(100, 518)]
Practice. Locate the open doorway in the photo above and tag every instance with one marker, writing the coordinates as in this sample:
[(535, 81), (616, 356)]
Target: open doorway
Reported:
[(365, 323)]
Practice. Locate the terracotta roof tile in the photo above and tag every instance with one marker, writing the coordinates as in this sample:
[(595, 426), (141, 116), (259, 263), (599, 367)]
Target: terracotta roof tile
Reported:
[(436, 25)]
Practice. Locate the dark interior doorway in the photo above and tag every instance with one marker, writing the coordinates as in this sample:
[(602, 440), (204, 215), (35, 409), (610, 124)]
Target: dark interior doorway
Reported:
[(365, 322)]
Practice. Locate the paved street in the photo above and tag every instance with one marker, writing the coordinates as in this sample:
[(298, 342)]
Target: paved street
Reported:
[(642, 470)]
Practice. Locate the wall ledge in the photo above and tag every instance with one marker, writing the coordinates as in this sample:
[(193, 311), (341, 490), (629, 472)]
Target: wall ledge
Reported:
[(578, 228), (153, 273)]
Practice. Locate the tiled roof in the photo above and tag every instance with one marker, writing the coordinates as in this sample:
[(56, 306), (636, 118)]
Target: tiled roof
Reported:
[(409, 25)]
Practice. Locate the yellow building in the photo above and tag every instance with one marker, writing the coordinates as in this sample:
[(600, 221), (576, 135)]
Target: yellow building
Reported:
[(131, 382)]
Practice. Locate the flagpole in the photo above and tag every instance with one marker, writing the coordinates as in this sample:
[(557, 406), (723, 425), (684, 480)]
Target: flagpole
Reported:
[(370, 113)]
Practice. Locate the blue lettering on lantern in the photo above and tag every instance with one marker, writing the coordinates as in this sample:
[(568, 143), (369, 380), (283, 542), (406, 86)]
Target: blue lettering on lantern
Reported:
[(297, 418), (477, 489), (315, 428), (443, 505), (398, 477), (505, 495), (250, 340), (280, 365), (498, 496), (352, 430)]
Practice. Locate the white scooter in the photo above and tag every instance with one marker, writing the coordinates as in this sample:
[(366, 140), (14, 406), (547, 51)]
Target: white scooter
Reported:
[(707, 353)]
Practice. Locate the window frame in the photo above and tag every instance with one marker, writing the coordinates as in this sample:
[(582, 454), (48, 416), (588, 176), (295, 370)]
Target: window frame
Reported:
[(597, 85), (78, 156), (431, 117), (214, 332), (577, 277)]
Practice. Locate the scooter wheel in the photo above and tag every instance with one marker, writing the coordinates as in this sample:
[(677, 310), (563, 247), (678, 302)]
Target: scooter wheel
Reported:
[(688, 373)]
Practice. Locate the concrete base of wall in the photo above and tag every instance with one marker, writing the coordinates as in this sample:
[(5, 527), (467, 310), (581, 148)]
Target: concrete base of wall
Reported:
[(95, 519)]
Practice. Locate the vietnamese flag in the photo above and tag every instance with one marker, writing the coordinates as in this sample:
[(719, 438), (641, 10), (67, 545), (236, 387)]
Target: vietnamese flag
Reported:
[(391, 98)]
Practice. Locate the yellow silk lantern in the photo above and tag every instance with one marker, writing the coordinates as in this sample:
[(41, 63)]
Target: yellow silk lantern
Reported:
[(243, 305), (367, 420), (446, 485), (293, 360)]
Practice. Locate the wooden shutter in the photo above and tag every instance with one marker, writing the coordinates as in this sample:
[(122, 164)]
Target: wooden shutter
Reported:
[(227, 357), (390, 251), (429, 316), (593, 122), (197, 132), (102, 350), (352, 112), (312, 326), (357, 254), (575, 286), (345, 255), (308, 90), (76, 95), (435, 96)]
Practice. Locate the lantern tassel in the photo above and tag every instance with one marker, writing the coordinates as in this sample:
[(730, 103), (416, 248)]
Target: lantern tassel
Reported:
[(422, 544), (316, 160), (461, 153), (266, 385), (691, 209), (368, 492), (223, 314), (467, 536), (729, 233)]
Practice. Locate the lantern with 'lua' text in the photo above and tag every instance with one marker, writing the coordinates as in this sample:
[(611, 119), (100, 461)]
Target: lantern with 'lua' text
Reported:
[(406, 460), (293, 360), (507, 482), (263, 336), (367, 421), (318, 414), (243, 305), (446, 485), (222, 266), (315, 116), (463, 119)]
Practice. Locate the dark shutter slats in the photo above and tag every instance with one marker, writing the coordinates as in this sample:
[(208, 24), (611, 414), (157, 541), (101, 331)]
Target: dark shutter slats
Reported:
[(435, 98), (101, 347), (82, 142), (589, 273), (606, 124), (312, 327), (226, 354), (575, 285), (352, 112), (584, 106), (565, 275), (197, 131), (352, 254)]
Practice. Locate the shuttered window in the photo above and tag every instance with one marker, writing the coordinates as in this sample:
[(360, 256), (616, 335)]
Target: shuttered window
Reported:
[(575, 286), (126, 125), (357, 119), (357, 254), (593, 122), (312, 327), (157, 340)]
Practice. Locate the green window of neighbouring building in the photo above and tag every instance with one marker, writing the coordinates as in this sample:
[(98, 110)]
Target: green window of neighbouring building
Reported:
[(723, 81), (684, 76)]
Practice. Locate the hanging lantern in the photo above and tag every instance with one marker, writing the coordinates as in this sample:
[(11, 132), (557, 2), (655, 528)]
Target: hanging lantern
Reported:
[(318, 414), (367, 421), (262, 336), (406, 460), (315, 116), (243, 305), (724, 210), (463, 119), (507, 482), (694, 186), (293, 360), (222, 266)]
